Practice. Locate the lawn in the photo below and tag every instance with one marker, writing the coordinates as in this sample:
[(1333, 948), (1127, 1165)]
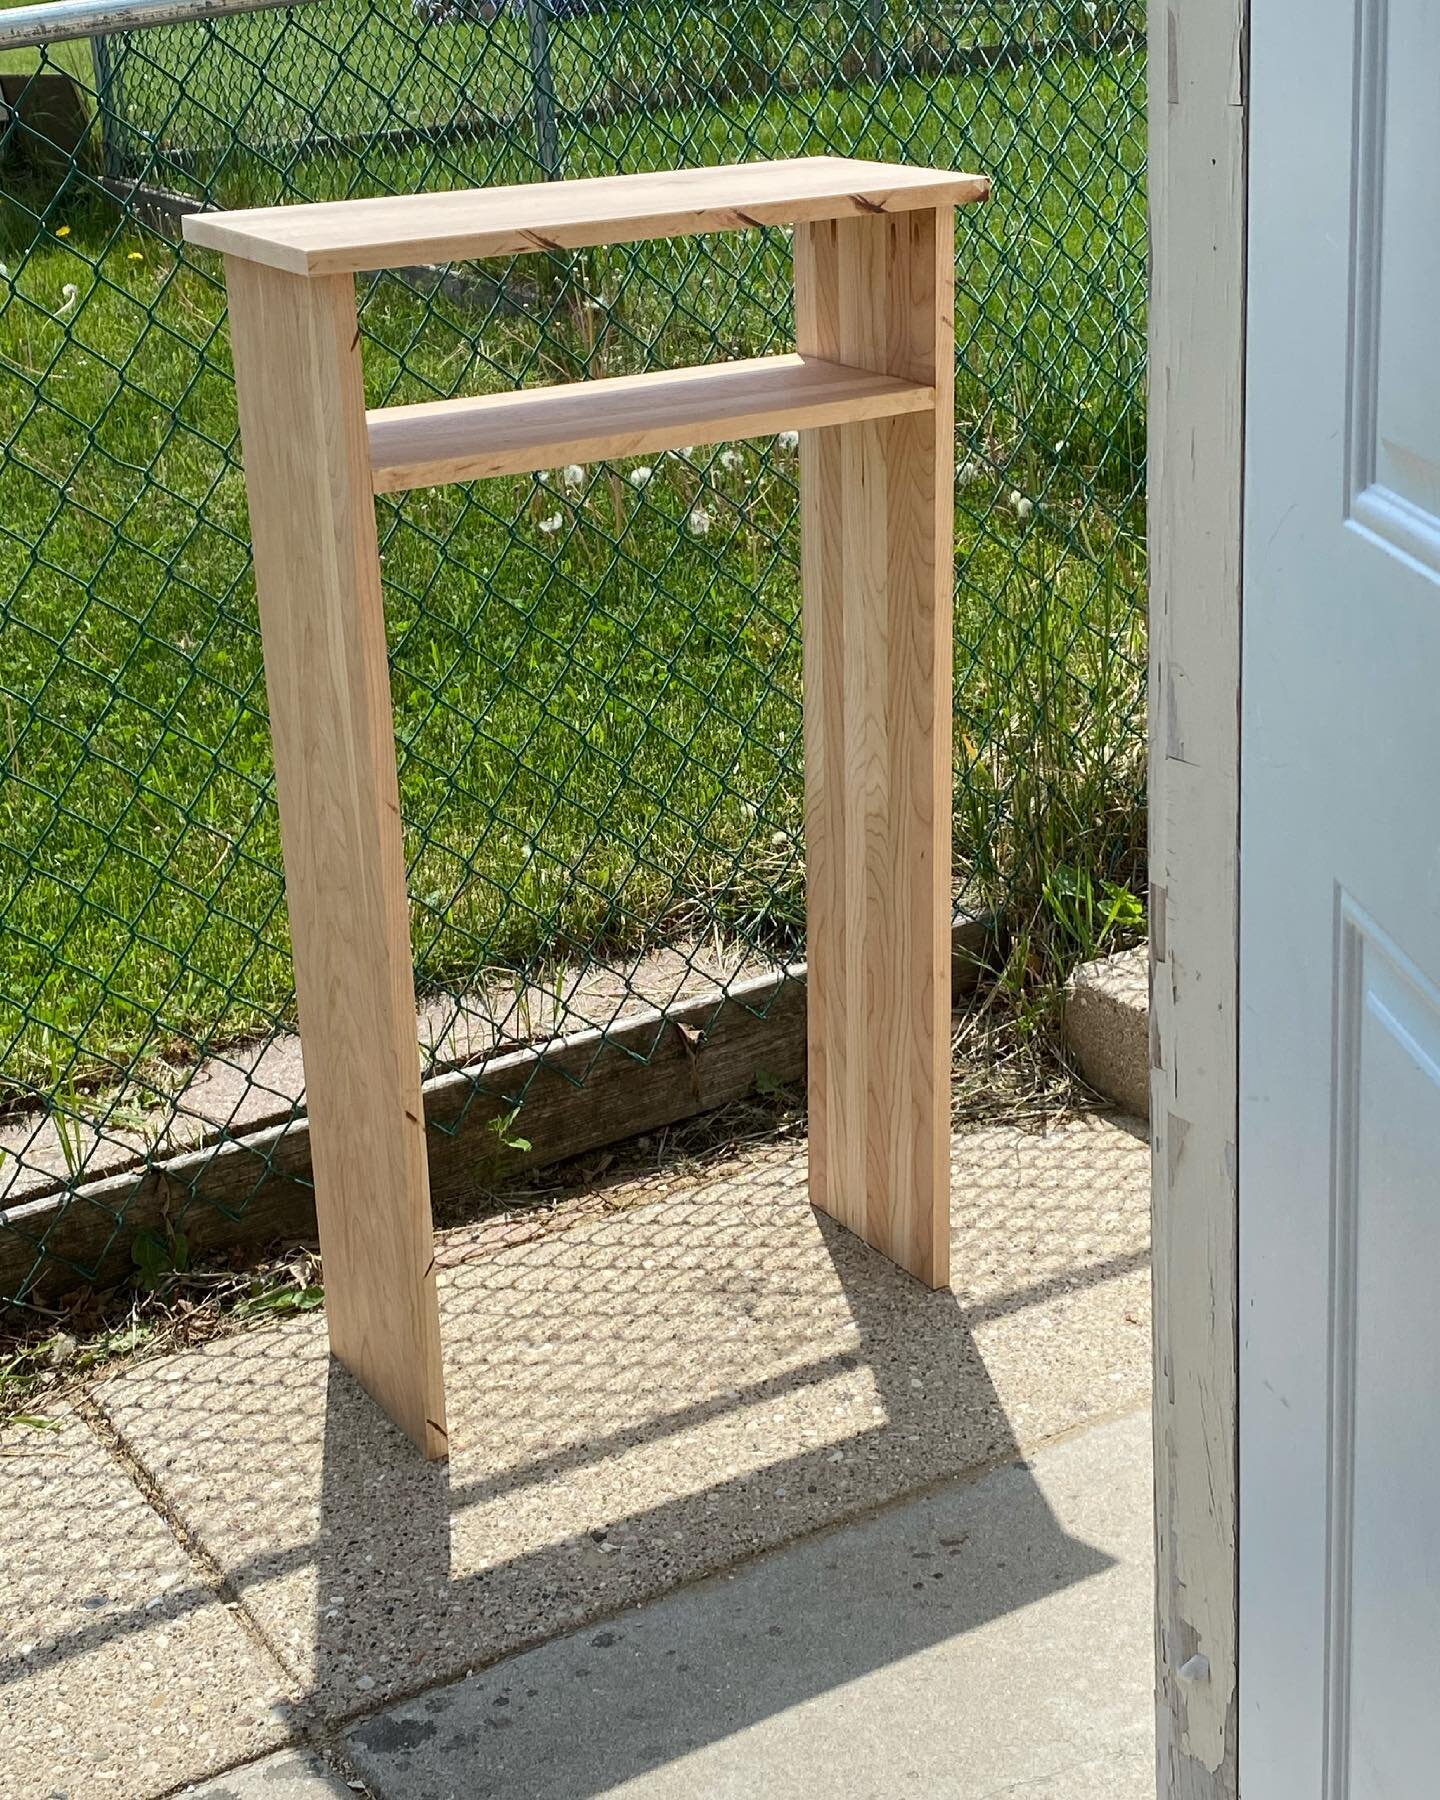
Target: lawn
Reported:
[(596, 681)]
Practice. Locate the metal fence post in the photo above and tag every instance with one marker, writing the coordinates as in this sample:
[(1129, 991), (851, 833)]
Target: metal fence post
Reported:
[(542, 88), (875, 56), (110, 105)]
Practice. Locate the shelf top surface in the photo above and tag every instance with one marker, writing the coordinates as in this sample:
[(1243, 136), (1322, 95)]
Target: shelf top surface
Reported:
[(346, 236)]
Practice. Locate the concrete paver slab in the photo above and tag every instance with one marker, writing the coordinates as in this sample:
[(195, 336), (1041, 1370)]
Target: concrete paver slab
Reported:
[(990, 1638), (644, 1399), (120, 1673)]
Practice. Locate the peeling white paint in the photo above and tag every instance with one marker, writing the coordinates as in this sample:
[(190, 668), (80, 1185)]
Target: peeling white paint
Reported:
[(1197, 190)]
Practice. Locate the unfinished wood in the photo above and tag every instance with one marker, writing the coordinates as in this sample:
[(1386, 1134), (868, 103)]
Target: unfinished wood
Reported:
[(593, 1089), (317, 577), (1197, 224), (625, 415), (875, 272), (877, 549), (344, 236)]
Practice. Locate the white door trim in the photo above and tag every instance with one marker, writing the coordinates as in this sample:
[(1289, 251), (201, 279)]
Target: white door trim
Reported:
[(1197, 342)]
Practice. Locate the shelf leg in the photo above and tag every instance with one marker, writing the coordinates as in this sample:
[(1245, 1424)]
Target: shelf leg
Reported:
[(317, 575), (877, 516)]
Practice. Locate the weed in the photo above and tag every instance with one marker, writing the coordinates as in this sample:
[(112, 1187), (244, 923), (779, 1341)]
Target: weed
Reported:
[(159, 1259), (279, 1301), (503, 1128)]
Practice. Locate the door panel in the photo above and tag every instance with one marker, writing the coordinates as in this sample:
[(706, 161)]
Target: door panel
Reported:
[(1394, 483), (1384, 1551), (1339, 1153)]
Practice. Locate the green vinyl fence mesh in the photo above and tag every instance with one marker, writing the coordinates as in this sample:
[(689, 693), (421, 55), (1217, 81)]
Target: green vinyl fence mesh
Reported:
[(595, 672)]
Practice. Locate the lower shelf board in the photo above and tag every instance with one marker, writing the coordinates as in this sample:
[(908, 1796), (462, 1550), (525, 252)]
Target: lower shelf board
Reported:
[(529, 429)]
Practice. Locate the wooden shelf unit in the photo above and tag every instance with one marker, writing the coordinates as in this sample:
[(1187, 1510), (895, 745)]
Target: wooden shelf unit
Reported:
[(870, 389)]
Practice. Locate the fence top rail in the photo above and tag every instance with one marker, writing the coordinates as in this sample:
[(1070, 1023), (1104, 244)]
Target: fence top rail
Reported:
[(55, 21)]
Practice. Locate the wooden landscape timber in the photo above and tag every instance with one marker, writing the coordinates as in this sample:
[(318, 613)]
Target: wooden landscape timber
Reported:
[(575, 1094)]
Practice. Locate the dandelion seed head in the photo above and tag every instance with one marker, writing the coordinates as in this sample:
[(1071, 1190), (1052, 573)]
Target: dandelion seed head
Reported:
[(698, 523), (640, 477), (574, 476), (788, 440), (551, 525)]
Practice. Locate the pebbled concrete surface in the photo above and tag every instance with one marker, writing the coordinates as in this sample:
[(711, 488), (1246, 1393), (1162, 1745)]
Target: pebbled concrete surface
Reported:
[(288, 1775), (645, 1399), (990, 1638), (700, 1371), (121, 1672)]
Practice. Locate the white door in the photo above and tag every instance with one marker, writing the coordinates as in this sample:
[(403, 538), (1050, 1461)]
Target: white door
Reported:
[(1339, 1152)]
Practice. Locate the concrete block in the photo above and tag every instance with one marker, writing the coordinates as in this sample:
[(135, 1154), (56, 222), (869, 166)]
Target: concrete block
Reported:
[(1107, 1027)]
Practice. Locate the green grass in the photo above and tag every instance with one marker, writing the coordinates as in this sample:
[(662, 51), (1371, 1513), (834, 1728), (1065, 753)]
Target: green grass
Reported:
[(599, 724), (328, 68)]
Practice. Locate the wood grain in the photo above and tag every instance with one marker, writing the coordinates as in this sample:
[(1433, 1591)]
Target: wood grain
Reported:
[(1196, 419), (317, 577), (877, 549), (624, 415), (345, 236)]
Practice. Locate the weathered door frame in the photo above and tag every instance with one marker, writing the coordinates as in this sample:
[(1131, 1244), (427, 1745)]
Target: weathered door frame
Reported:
[(1197, 109)]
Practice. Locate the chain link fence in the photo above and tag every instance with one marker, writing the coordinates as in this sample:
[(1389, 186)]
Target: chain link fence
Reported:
[(595, 672)]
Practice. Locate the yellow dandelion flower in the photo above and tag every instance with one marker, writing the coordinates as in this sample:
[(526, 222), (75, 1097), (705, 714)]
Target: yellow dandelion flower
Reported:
[(64, 231)]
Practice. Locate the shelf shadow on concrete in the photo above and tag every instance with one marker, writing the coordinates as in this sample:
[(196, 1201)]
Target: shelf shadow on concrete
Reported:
[(707, 1372), (725, 1669)]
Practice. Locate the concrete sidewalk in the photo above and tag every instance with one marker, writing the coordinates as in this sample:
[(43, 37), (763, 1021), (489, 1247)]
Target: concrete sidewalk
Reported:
[(229, 1549), (991, 1638)]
